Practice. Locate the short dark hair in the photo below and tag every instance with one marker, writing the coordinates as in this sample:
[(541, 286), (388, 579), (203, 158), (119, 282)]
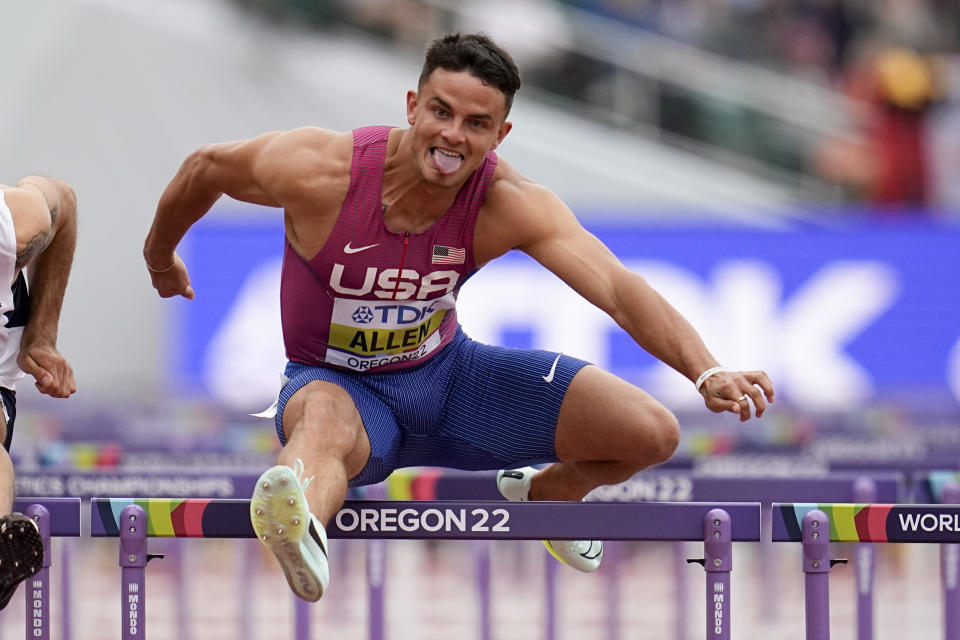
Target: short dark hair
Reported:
[(477, 54)]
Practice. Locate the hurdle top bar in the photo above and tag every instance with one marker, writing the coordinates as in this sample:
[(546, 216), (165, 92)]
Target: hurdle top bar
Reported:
[(872, 522), (659, 486), (443, 519), (64, 514)]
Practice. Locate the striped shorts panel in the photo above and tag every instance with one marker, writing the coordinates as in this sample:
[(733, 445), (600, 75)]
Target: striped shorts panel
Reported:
[(9, 399), (472, 406)]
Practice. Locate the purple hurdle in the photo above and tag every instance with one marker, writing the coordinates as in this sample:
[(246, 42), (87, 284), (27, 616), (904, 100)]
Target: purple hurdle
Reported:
[(381, 520), (679, 485), (816, 525), (37, 587), (949, 572), (481, 557), (816, 566), (54, 517), (132, 526), (865, 492), (718, 562)]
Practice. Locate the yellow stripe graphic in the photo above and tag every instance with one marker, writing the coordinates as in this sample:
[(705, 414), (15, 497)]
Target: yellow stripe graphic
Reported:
[(369, 342), (398, 485), (842, 521), (158, 515)]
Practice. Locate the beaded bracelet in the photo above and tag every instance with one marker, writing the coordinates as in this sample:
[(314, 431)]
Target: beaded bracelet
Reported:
[(152, 270)]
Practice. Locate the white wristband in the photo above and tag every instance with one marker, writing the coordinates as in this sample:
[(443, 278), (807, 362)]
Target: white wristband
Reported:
[(706, 374)]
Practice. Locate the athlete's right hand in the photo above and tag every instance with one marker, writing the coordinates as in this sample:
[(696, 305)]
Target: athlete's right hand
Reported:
[(173, 281)]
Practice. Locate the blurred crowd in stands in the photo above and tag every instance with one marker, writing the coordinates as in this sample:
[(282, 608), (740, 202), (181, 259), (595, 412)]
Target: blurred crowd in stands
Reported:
[(897, 61)]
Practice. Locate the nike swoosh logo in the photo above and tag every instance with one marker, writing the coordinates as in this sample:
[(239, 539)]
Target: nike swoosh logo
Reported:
[(349, 249), (553, 369)]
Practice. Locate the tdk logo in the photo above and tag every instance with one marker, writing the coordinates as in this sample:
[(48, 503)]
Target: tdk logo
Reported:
[(404, 314), (363, 315)]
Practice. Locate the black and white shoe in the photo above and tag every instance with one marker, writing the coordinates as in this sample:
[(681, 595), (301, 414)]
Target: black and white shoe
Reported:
[(21, 553), (282, 520), (583, 555)]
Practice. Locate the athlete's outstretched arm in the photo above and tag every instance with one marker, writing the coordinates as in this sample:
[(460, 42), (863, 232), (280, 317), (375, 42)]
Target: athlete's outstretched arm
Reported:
[(267, 170), (208, 173), (550, 233), (45, 218)]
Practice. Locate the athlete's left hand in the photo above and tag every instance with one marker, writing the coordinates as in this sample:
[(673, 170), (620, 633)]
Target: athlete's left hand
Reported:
[(733, 391), (52, 372)]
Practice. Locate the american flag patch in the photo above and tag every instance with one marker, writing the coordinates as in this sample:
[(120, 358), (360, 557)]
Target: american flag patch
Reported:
[(448, 255)]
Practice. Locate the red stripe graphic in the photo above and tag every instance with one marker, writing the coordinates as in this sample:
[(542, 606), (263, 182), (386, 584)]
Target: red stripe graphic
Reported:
[(188, 518), (177, 519), (871, 522), (424, 486)]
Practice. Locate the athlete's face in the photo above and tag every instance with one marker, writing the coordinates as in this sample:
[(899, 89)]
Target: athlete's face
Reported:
[(455, 119)]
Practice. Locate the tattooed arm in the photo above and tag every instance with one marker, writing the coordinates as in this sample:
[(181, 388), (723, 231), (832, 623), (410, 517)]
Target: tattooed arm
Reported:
[(45, 219)]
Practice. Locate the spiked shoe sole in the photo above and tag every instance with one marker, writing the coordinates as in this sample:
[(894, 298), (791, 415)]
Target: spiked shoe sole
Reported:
[(21, 554), (280, 518)]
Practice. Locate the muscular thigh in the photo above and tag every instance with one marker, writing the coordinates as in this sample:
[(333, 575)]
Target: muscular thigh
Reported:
[(501, 410), (324, 404), (606, 418), (331, 412)]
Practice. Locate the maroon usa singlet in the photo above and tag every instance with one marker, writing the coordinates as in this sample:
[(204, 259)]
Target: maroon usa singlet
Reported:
[(371, 299)]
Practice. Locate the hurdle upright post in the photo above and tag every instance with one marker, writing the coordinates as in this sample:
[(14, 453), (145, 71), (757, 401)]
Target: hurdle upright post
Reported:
[(550, 596), (718, 562), (54, 517), (950, 572), (133, 563), (612, 554), (376, 553), (376, 582), (815, 531), (865, 492), (37, 587), (301, 619), (482, 567), (769, 568), (66, 589)]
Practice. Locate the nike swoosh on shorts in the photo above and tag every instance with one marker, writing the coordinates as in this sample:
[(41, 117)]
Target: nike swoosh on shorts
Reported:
[(349, 249), (553, 369)]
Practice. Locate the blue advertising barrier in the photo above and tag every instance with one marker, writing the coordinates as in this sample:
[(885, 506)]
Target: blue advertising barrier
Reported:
[(838, 318)]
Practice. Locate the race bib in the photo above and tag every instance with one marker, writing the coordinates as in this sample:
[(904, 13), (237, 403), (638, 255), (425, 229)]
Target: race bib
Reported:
[(366, 334)]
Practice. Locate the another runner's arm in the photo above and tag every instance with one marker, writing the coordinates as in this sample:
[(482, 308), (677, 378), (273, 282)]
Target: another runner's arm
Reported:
[(44, 212)]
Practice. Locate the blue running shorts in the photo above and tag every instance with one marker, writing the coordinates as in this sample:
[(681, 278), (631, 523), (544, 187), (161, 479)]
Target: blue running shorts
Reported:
[(472, 406)]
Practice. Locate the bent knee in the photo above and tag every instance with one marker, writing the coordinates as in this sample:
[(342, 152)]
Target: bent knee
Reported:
[(657, 437), (666, 436)]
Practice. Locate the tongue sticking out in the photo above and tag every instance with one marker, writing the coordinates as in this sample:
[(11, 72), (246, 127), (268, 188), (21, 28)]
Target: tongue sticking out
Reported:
[(445, 163)]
